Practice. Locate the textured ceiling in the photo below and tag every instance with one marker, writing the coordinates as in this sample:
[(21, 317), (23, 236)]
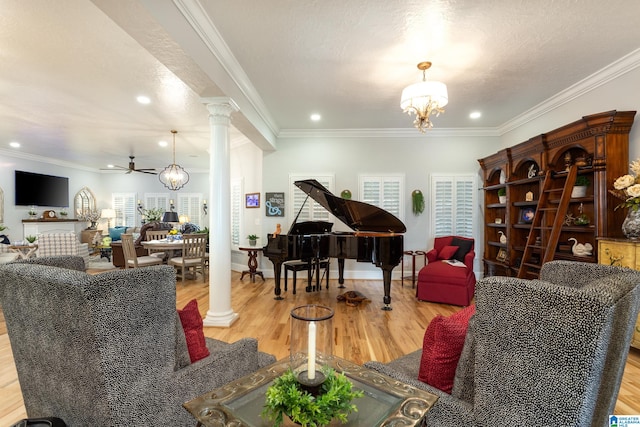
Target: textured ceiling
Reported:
[(71, 70)]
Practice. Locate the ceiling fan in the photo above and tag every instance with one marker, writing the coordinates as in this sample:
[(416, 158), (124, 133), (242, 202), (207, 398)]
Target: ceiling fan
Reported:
[(132, 168)]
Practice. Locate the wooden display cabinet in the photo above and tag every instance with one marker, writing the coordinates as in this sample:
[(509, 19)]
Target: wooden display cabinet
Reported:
[(495, 175), (599, 144)]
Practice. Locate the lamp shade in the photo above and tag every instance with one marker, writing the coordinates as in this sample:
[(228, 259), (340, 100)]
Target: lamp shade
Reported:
[(421, 94), (170, 217)]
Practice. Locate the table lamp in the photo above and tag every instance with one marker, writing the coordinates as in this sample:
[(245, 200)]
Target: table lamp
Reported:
[(108, 213)]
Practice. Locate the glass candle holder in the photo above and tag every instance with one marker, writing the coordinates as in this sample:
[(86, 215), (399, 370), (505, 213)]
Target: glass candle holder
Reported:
[(311, 344)]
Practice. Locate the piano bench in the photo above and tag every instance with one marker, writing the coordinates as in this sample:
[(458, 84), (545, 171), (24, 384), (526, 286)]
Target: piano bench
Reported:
[(310, 267)]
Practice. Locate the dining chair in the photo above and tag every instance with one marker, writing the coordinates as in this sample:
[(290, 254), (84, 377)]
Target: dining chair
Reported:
[(156, 235), (131, 259), (194, 247)]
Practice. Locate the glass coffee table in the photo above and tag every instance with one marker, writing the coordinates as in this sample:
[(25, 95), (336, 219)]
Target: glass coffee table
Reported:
[(240, 402)]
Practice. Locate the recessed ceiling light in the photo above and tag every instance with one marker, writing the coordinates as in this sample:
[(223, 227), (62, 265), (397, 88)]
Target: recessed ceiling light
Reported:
[(163, 143), (14, 144), (110, 166), (143, 99), (316, 117), (475, 115)]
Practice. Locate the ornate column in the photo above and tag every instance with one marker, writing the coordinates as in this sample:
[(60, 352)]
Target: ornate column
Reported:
[(220, 312)]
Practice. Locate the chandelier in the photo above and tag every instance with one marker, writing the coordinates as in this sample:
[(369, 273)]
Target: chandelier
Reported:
[(174, 177), (424, 99)]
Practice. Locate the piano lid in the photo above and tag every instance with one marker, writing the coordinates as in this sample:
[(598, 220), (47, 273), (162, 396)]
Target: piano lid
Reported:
[(359, 216)]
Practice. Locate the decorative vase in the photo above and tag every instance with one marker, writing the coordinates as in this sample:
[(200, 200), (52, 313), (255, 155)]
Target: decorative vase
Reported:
[(631, 224)]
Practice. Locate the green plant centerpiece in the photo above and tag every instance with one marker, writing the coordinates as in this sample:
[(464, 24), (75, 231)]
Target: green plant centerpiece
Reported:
[(287, 397), (252, 239), (30, 239), (153, 214)]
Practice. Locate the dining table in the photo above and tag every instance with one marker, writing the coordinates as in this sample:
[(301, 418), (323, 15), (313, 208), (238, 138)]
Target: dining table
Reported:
[(170, 247)]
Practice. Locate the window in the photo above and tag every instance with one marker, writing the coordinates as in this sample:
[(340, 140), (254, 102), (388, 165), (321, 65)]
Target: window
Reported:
[(452, 200), (190, 204), (125, 206), (236, 211), (383, 191), (312, 210)]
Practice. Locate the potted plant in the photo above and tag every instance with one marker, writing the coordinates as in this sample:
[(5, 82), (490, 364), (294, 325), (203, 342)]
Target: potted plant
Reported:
[(32, 212), (64, 212), (31, 239), (580, 187), (502, 195), (252, 239), (286, 397)]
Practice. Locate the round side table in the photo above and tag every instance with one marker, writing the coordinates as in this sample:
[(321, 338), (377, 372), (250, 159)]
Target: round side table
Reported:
[(252, 263)]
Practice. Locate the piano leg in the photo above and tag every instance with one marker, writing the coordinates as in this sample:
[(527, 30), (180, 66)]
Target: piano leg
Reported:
[(310, 288), (277, 268), (386, 276), (340, 272), (317, 270)]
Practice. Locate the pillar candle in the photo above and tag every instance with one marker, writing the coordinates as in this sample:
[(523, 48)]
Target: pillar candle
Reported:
[(311, 364)]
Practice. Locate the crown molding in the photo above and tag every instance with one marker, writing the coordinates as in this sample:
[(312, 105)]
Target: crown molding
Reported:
[(612, 71)]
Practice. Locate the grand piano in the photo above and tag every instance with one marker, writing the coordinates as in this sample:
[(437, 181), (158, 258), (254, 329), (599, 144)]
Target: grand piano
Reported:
[(376, 237)]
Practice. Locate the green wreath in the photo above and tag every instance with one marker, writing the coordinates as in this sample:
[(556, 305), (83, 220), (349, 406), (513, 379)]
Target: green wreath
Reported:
[(417, 201)]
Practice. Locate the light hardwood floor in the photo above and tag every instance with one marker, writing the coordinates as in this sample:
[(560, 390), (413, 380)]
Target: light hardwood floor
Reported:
[(361, 333)]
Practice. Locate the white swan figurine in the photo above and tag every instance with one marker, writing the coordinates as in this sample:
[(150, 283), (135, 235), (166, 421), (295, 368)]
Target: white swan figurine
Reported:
[(503, 238), (581, 249)]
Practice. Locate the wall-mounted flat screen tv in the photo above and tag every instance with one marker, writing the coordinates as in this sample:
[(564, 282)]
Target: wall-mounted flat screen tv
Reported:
[(41, 190)]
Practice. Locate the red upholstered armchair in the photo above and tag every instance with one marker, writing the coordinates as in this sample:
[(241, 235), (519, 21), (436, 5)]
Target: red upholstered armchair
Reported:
[(448, 277)]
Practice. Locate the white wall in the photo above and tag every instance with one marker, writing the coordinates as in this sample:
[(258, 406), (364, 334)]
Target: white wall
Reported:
[(13, 215)]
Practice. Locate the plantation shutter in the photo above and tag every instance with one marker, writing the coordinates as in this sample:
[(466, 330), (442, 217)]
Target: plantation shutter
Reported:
[(385, 192), (236, 211), (312, 210), (189, 205), (125, 206), (156, 200), (452, 200), (464, 206)]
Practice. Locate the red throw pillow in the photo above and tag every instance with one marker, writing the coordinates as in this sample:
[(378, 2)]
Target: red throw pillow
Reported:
[(442, 346), (193, 332), (447, 252)]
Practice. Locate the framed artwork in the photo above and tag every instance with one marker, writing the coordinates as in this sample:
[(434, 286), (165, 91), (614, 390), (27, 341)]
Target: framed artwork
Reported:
[(252, 200), (526, 215), (502, 255), (274, 204)]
